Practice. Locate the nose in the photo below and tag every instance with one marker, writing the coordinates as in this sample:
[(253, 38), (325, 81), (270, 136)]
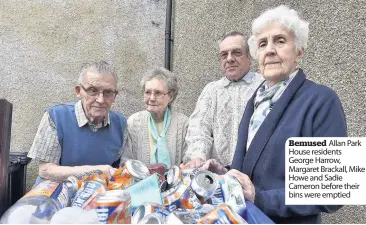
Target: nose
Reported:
[(230, 57), (270, 49), (100, 98), (152, 97)]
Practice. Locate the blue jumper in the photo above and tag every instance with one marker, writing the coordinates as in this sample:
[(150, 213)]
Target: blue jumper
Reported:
[(81, 145)]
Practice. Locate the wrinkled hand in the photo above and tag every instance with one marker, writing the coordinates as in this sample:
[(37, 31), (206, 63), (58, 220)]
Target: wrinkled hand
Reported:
[(214, 166), (195, 163), (246, 184)]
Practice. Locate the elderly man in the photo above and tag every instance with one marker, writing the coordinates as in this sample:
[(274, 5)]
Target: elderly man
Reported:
[(213, 126), (83, 136)]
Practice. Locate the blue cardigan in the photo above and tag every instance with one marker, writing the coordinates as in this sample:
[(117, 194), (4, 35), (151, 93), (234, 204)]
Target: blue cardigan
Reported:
[(81, 145), (305, 109)]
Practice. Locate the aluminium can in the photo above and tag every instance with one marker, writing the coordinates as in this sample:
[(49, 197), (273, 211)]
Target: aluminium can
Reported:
[(113, 207), (153, 218), (204, 185), (222, 214), (174, 176), (146, 209), (132, 172)]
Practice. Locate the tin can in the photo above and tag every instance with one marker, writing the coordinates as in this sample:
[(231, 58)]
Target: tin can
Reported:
[(183, 197), (102, 177), (229, 191), (222, 214), (191, 216), (190, 172), (84, 197), (173, 219), (169, 191), (146, 209), (153, 218), (163, 186), (115, 185), (81, 178), (204, 185), (158, 168), (67, 193), (174, 176), (132, 172), (113, 207)]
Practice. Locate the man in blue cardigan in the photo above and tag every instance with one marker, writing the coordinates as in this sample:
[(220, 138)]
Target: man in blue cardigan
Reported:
[(79, 137)]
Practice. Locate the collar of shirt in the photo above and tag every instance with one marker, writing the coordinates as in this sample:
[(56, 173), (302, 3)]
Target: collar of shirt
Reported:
[(82, 120), (248, 78), (292, 75)]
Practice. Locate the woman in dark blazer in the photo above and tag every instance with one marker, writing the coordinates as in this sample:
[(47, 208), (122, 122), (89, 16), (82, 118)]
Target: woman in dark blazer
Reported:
[(286, 105)]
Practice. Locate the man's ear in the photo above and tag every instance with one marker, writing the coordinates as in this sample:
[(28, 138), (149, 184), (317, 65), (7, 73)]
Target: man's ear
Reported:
[(77, 91)]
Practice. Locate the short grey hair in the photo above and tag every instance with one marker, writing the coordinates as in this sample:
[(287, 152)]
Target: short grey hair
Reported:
[(237, 33), (100, 67), (288, 18), (165, 75)]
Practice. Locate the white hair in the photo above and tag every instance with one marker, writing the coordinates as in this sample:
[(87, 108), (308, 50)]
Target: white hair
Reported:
[(101, 67), (286, 17)]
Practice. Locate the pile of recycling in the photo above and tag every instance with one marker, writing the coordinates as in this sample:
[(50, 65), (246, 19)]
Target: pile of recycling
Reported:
[(136, 194)]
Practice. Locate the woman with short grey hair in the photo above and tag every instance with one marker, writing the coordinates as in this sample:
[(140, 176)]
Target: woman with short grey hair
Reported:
[(165, 75), (157, 134), (285, 105)]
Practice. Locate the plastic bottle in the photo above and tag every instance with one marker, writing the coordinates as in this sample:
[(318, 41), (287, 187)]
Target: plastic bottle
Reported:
[(40, 203)]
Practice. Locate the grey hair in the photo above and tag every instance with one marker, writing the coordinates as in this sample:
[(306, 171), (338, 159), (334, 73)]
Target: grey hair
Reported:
[(288, 18), (100, 67), (165, 75), (237, 33)]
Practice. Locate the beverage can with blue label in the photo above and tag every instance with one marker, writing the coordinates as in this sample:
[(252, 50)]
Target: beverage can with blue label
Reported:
[(229, 191), (113, 207), (182, 197), (146, 209), (222, 214)]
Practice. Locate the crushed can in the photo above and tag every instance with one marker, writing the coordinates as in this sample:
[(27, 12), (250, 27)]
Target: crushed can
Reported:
[(204, 185), (174, 176), (229, 191), (113, 207), (81, 178), (182, 197), (84, 197), (132, 172), (222, 214), (190, 216), (146, 209), (153, 218)]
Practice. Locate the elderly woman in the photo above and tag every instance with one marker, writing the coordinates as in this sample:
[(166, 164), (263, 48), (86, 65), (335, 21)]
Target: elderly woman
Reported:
[(286, 105), (157, 134)]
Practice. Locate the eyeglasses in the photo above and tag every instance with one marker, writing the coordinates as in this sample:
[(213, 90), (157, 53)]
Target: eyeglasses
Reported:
[(157, 94), (94, 92), (237, 52)]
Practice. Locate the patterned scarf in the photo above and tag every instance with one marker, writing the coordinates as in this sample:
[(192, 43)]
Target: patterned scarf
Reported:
[(160, 153), (264, 100)]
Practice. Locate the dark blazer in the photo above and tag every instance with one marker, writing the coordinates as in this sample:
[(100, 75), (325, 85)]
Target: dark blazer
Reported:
[(305, 109)]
